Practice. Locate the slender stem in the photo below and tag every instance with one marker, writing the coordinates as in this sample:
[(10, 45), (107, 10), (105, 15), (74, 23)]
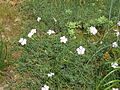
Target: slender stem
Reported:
[(97, 88), (109, 19)]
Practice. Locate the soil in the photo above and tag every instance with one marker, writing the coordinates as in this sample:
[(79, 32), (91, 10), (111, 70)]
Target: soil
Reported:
[(10, 30)]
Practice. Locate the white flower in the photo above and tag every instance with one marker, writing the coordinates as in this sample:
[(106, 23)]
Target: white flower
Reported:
[(116, 30), (63, 39), (22, 41), (115, 45), (118, 23), (114, 64), (93, 30), (45, 87), (101, 42), (33, 31), (30, 35), (50, 32), (50, 74), (115, 88), (80, 50), (38, 19), (117, 34)]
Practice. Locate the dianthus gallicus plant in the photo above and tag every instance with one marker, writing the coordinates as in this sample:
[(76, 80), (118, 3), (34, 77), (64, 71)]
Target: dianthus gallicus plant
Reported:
[(68, 46)]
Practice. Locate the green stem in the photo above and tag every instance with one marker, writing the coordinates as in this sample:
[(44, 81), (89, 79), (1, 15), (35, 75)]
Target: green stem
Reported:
[(97, 88)]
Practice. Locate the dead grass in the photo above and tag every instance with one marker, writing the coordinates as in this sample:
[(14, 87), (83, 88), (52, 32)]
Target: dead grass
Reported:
[(10, 28)]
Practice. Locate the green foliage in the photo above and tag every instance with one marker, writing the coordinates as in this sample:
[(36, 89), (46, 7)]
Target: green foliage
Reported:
[(101, 21), (45, 53), (43, 56), (2, 54), (110, 82), (72, 26)]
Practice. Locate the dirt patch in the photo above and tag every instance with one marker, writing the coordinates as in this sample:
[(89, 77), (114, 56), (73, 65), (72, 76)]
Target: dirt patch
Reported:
[(8, 76), (10, 29), (12, 2), (16, 54)]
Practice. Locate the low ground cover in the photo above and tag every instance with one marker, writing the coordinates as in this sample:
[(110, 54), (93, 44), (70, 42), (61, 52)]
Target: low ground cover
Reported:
[(68, 45)]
